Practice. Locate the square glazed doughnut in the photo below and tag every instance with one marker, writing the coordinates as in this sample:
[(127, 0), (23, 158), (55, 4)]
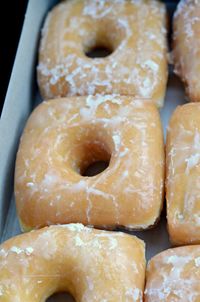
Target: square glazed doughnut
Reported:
[(134, 32), (186, 51), (63, 137), (91, 265), (173, 276), (183, 175)]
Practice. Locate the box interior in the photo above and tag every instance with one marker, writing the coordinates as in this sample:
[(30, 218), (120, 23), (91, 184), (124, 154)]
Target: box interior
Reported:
[(23, 96)]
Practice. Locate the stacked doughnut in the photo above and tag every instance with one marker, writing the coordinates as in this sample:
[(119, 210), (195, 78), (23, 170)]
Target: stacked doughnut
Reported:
[(174, 274), (104, 109)]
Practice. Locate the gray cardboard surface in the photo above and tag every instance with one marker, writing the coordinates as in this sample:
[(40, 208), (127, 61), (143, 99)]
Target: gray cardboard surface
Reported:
[(19, 99), (22, 95)]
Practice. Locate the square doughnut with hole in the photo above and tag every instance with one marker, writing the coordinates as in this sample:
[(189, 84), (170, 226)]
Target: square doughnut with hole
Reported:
[(183, 175), (173, 276), (106, 47), (64, 137), (91, 265)]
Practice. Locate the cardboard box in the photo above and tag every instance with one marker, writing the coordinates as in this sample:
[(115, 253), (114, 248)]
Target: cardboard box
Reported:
[(22, 96), (20, 99)]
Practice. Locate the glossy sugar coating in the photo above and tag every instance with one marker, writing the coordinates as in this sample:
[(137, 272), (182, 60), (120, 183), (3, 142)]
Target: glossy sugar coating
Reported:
[(64, 136), (186, 52), (92, 265), (183, 175), (173, 276), (134, 30)]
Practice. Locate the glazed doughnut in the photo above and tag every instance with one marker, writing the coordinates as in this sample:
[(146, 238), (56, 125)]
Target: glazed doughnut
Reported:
[(183, 170), (91, 265), (186, 51), (65, 136), (133, 31), (173, 276)]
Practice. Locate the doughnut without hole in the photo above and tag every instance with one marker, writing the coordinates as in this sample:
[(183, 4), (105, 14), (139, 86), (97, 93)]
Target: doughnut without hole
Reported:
[(91, 265), (186, 51), (183, 175), (173, 276), (65, 136), (133, 31)]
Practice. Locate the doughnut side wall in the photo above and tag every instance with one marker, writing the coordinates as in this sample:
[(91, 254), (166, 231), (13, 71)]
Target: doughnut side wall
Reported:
[(182, 185), (173, 275), (186, 50)]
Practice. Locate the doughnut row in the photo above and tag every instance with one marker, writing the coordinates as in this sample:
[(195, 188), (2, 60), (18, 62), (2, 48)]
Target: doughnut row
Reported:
[(90, 264), (95, 265), (97, 110), (104, 109)]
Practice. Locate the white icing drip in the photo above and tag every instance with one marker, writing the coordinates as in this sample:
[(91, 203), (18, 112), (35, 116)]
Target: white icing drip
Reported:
[(192, 161), (90, 283), (113, 243), (30, 184), (152, 65), (135, 294), (1, 291), (17, 250), (78, 241), (93, 102), (117, 141), (178, 261), (197, 261), (29, 250), (76, 227)]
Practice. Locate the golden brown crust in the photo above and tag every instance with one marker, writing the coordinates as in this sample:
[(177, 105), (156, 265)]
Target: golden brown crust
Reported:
[(183, 170), (92, 265), (186, 50), (173, 275), (136, 31), (63, 136)]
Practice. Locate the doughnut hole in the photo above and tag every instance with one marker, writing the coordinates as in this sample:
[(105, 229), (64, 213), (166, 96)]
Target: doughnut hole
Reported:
[(96, 168), (61, 297), (99, 51), (104, 40), (95, 160), (90, 153)]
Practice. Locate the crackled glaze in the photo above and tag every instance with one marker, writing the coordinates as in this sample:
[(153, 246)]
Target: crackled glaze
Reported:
[(173, 276), (63, 136), (186, 52), (135, 30), (183, 175), (92, 265)]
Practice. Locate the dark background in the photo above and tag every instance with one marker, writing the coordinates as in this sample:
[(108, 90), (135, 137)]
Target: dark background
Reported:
[(12, 16)]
